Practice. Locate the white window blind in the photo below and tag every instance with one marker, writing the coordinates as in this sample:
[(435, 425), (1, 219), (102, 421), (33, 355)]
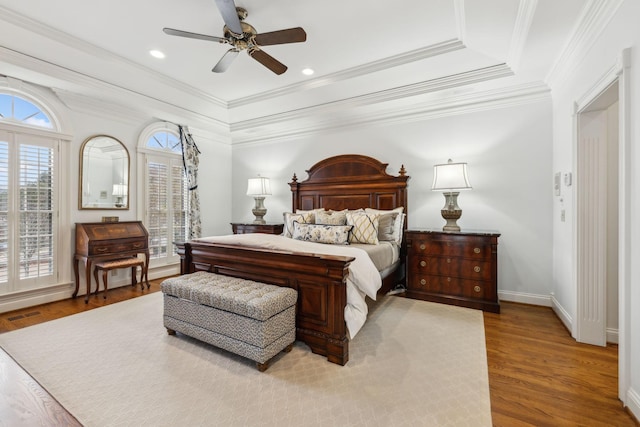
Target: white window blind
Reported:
[(28, 220), (167, 204)]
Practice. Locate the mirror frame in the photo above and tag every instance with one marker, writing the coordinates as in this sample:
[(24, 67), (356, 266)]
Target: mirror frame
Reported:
[(82, 178)]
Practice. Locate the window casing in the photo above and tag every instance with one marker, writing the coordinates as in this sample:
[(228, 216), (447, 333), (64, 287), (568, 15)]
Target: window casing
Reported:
[(166, 194), (29, 197)]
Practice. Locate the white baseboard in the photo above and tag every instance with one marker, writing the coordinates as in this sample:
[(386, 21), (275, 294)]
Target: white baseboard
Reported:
[(525, 298), (633, 402), (612, 336), (34, 297), (562, 314)]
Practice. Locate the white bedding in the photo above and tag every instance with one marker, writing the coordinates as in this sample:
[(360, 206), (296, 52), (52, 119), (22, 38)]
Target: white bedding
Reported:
[(364, 278)]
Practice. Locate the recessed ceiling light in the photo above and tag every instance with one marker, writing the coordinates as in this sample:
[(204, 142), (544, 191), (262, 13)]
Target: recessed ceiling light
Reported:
[(157, 54), (307, 71)]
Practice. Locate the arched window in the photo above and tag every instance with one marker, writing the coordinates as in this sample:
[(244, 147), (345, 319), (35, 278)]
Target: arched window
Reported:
[(15, 109), (29, 175), (166, 199)]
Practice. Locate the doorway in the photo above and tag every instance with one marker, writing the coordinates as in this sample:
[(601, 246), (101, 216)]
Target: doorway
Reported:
[(597, 219)]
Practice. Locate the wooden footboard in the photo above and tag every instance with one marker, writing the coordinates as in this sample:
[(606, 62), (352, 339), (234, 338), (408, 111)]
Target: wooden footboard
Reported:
[(319, 279)]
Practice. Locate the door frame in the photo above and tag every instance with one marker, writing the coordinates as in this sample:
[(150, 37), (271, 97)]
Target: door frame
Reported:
[(622, 73)]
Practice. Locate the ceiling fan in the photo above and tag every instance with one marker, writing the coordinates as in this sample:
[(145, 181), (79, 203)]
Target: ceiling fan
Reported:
[(243, 36)]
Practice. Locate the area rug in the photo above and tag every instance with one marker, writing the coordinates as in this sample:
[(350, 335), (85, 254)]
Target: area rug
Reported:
[(414, 363)]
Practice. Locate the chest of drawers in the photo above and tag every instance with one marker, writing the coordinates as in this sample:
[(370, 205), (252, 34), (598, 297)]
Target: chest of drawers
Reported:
[(459, 268)]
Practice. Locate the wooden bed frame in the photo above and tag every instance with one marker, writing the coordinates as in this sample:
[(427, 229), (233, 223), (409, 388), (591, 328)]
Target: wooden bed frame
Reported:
[(340, 182)]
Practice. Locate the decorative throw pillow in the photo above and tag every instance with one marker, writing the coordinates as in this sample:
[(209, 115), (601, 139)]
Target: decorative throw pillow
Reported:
[(385, 229), (331, 218), (365, 227), (322, 233), (304, 218), (397, 217), (313, 213)]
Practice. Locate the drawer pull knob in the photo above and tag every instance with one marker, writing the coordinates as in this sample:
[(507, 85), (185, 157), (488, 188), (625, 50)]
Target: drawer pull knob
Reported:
[(476, 269), (476, 250), (422, 247), (477, 288), (423, 263), (423, 282), (448, 279), (448, 260)]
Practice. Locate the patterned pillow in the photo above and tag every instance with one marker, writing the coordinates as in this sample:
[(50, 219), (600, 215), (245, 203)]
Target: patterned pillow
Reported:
[(322, 233), (396, 232), (313, 213), (289, 218), (365, 227), (331, 218)]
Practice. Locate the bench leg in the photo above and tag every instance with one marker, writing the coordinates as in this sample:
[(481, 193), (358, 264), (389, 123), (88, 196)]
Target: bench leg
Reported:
[(171, 331), (134, 277), (262, 366), (105, 273)]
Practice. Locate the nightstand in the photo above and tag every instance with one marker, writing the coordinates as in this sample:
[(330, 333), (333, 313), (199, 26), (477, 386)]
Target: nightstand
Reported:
[(458, 268), (245, 228)]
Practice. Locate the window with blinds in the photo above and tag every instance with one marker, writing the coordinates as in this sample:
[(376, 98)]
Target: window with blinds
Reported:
[(167, 199), (27, 211)]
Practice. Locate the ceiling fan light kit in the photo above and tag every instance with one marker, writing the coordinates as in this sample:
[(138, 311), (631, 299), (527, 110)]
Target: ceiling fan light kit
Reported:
[(243, 36)]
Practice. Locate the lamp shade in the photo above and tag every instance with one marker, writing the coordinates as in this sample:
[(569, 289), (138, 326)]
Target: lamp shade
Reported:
[(450, 177), (119, 190), (258, 187)]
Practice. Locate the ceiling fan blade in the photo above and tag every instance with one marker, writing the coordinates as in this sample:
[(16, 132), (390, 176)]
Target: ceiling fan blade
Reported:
[(225, 61), (268, 61), (290, 35), (173, 32), (228, 11)]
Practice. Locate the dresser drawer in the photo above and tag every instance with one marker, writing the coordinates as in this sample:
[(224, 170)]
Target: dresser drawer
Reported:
[(116, 247), (476, 248), (450, 286), (449, 266)]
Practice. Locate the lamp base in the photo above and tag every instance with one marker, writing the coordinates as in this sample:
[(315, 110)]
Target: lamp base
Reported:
[(259, 211), (451, 212)]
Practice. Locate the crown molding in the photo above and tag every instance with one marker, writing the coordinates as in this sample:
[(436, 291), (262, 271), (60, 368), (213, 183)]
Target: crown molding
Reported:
[(524, 19), (434, 85), (435, 108), (461, 22), (48, 32), (349, 73), (109, 92), (594, 18)]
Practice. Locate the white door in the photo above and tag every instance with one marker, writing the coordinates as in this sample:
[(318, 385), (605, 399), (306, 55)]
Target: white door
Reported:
[(592, 227)]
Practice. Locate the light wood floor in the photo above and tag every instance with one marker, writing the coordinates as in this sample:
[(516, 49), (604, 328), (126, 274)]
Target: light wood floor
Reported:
[(538, 375)]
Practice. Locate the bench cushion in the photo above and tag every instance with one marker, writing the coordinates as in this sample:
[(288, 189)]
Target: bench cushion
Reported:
[(119, 263), (241, 296)]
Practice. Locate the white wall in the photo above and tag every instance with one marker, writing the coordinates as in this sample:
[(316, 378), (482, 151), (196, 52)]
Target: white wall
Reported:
[(586, 71), (508, 151)]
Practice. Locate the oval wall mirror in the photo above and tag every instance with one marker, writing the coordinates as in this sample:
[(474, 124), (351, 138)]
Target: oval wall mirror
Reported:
[(104, 174)]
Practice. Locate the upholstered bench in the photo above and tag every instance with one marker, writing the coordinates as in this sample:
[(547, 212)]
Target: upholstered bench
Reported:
[(113, 264), (248, 318)]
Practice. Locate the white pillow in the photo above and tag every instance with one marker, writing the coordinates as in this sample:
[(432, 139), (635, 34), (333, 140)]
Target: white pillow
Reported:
[(305, 218), (322, 233), (365, 227), (398, 224)]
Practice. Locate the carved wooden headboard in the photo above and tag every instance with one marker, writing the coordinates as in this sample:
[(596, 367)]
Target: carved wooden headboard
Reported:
[(350, 181)]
